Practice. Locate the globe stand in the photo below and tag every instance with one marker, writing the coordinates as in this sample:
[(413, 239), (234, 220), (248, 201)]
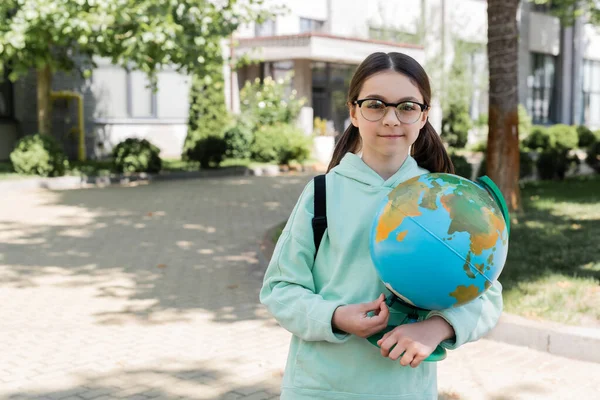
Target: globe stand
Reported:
[(414, 314)]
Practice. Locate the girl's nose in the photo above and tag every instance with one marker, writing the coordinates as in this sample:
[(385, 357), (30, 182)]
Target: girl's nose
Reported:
[(390, 118)]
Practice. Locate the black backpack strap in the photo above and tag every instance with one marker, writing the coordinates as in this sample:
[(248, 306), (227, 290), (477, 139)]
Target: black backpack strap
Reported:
[(319, 221)]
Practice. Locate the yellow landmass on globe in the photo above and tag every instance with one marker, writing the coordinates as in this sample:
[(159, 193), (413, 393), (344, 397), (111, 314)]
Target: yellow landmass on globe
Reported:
[(401, 236), (392, 217), (464, 294)]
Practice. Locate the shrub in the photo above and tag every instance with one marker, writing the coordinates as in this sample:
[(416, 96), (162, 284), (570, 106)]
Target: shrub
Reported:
[(593, 156), (269, 103), (208, 114), (455, 126), (563, 137), (137, 155), (461, 165), (39, 155), (238, 139), (526, 164), (298, 146), (208, 151), (586, 136), (524, 122), (538, 138), (280, 143)]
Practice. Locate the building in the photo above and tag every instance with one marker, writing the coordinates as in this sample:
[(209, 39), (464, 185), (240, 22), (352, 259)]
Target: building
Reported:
[(322, 42)]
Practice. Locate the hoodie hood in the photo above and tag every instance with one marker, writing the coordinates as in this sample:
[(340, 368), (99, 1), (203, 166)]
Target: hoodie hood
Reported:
[(353, 167)]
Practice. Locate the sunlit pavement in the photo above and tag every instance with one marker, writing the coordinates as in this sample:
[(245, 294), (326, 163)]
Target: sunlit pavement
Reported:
[(151, 291)]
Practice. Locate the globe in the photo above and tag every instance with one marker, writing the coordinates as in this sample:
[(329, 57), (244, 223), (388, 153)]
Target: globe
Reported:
[(439, 240)]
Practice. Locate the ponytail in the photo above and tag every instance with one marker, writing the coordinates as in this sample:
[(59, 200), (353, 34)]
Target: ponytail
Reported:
[(430, 153), (348, 142)]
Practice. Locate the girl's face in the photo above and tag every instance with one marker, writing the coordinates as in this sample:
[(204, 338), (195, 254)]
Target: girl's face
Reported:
[(388, 137)]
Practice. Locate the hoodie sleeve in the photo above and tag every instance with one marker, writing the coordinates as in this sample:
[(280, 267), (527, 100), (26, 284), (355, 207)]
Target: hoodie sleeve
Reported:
[(288, 289), (474, 319)]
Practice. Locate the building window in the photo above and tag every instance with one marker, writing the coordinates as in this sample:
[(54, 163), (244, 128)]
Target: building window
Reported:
[(330, 84), (267, 28), (141, 99), (6, 97), (591, 93), (311, 25), (540, 96)]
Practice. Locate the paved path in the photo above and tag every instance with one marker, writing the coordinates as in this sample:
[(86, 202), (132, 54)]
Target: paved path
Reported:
[(151, 291)]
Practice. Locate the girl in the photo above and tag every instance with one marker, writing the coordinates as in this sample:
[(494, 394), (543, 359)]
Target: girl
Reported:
[(331, 303)]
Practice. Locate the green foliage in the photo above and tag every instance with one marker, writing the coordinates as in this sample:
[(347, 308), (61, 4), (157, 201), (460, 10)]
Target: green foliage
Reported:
[(568, 10), (593, 156), (208, 114), (524, 123), (554, 163), (137, 155), (239, 138), (455, 125), (268, 103), (558, 136), (139, 34), (298, 146), (538, 139), (280, 143), (563, 136), (461, 165), (209, 151), (586, 136), (39, 155)]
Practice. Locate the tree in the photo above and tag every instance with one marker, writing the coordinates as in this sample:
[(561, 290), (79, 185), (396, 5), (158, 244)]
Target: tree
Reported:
[(65, 35), (208, 114), (503, 137), (569, 10)]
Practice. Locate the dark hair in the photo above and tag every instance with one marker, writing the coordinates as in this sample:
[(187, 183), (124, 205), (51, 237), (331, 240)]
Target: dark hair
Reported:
[(428, 150)]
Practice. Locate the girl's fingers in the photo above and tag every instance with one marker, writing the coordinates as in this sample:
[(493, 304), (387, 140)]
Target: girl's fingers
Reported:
[(408, 357), (397, 352), (416, 361)]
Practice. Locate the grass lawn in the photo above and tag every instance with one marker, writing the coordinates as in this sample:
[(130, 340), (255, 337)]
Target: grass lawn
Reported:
[(553, 266)]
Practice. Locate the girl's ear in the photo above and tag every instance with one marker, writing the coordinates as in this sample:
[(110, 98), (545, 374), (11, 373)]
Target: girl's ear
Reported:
[(353, 116), (423, 119)]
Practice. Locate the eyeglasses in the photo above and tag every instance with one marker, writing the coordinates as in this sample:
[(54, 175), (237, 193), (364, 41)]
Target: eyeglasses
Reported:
[(408, 112)]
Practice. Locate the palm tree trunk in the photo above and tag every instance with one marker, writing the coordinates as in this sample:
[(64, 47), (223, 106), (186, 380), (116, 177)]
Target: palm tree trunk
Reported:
[(44, 103), (503, 138)]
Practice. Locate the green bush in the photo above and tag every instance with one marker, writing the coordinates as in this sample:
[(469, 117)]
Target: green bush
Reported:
[(524, 122), (239, 138), (552, 164), (526, 164), (137, 155), (455, 125), (538, 138), (563, 137), (593, 156), (208, 151), (280, 143), (208, 115), (269, 103), (586, 136), (39, 155), (298, 146), (461, 165)]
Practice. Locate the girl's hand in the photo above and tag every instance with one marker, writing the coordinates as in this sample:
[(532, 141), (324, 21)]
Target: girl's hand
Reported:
[(353, 318), (416, 340)]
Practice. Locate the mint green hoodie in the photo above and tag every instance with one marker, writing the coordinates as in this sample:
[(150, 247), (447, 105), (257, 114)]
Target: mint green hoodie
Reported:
[(302, 296)]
